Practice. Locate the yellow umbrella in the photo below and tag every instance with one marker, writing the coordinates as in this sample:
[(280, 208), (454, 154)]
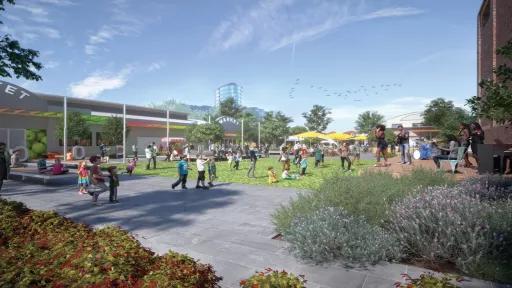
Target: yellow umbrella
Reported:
[(311, 134), (360, 137), (339, 136)]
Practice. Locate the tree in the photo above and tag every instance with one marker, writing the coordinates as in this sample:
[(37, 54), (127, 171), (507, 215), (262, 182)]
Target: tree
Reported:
[(15, 60), (274, 127), (496, 104), (250, 127), (443, 115), (113, 131), (77, 127), (367, 121), (317, 119), (297, 130), (230, 108), (203, 133)]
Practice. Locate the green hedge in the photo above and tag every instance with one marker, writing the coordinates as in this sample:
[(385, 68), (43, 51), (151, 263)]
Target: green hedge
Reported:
[(43, 249)]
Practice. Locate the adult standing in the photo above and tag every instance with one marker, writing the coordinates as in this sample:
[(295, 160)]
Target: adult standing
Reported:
[(154, 151), (318, 155), (402, 140), (345, 156), (149, 155), (382, 145), (477, 137), (284, 157), (4, 164), (252, 168), (97, 178), (103, 153), (465, 141), (135, 152)]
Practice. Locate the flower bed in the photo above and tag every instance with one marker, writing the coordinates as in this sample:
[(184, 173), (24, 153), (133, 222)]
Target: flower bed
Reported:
[(40, 249)]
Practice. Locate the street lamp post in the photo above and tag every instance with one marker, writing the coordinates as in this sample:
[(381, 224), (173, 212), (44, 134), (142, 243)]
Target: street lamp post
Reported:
[(242, 141), (259, 134)]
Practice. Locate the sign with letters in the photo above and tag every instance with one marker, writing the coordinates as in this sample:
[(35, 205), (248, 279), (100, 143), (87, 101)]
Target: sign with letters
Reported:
[(15, 97)]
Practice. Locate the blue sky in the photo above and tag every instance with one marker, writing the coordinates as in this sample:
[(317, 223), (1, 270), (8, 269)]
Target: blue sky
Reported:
[(142, 52)]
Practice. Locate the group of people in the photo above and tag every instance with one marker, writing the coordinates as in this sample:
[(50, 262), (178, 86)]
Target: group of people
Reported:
[(202, 163)]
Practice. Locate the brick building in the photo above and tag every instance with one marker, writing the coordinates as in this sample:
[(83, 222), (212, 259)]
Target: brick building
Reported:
[(494, 31)]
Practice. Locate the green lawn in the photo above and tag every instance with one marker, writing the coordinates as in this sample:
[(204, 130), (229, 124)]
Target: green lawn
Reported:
[(312, 180)]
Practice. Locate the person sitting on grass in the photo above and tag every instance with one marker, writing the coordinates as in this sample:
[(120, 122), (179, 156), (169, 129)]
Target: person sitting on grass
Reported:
[(303, 165), (272, 178), (58, 168), (287, 176)]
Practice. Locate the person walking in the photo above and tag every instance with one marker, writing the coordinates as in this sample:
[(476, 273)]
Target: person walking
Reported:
[(149, 155), (182, 173), (345, 156), (154, 151), (318, 156), (402, 139), (200, 163), (4, 164), (382, 145), (252, 167), (97, 179)]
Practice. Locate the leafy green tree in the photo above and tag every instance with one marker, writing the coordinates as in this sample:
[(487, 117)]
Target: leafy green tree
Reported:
[(203, 133), (496, 104), (317, 119), (16, 61), (230, 108), (367, 121), (443, 115), (274, 127), (297, 130), (77, 127), (250, 126), (113, 131)]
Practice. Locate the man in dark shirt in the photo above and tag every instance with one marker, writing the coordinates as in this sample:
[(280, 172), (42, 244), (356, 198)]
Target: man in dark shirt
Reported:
[(402, 140)]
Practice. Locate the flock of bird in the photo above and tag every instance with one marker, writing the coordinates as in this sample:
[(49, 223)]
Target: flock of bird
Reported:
[(354, 94)]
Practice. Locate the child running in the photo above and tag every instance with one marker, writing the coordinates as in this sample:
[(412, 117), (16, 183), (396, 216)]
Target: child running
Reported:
[(182, 173), (212, 171), (114, 183), (83, 178)]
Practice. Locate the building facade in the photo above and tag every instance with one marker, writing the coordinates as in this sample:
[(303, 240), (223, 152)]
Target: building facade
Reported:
[(413, 122), (230, 90), (29, 121), (494, 31)]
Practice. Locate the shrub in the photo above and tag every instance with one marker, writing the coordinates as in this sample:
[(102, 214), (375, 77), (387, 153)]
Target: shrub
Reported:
[(443, 224), (331, 233), (428, 280), (369, 195), (488, 187), (43, 249), (273, 279)]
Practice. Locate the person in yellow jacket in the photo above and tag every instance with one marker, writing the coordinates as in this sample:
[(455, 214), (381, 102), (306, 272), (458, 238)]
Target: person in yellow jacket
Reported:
[(272, 178)]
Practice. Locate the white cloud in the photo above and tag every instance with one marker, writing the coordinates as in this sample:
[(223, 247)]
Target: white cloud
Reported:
[(122, 24), (279, 23), (58, 2), (155, 66), (97, 83), (33, 9), (51, 64)]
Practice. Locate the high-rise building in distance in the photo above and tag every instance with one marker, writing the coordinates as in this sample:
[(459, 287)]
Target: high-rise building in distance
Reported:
[(232, 90)]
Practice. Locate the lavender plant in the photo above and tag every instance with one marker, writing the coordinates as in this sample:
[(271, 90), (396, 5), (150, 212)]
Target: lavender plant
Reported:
[(331, 233)]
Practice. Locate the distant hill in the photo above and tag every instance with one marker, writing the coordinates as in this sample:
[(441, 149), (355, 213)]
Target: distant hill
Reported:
[(199, 111)]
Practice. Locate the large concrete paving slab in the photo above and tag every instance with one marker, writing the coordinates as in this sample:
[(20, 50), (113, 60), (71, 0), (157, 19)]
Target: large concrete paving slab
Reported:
[(228, 226)]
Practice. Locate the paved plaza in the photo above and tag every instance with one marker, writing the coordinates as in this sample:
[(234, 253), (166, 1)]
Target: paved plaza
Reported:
[(228, 226)]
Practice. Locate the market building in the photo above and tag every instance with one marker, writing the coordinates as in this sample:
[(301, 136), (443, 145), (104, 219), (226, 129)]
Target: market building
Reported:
[(29, 121)]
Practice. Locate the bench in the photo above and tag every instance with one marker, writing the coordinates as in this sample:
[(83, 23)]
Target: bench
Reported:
[(454, 162), (34, 174)]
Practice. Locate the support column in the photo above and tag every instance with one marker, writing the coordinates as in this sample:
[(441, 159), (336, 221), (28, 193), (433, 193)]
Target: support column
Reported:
[(259, 135), (167, 135), (124, 133), (65, 134), (242, 140)]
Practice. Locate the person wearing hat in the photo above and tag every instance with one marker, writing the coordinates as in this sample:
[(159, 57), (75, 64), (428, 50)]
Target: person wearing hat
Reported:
[(402, 139)]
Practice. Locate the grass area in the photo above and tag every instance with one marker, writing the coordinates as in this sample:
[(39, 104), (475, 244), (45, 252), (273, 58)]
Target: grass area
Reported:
[(313, 179)]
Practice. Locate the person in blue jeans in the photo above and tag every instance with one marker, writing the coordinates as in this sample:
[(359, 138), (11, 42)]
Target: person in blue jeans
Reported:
[(182, 172), (402, 139)]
